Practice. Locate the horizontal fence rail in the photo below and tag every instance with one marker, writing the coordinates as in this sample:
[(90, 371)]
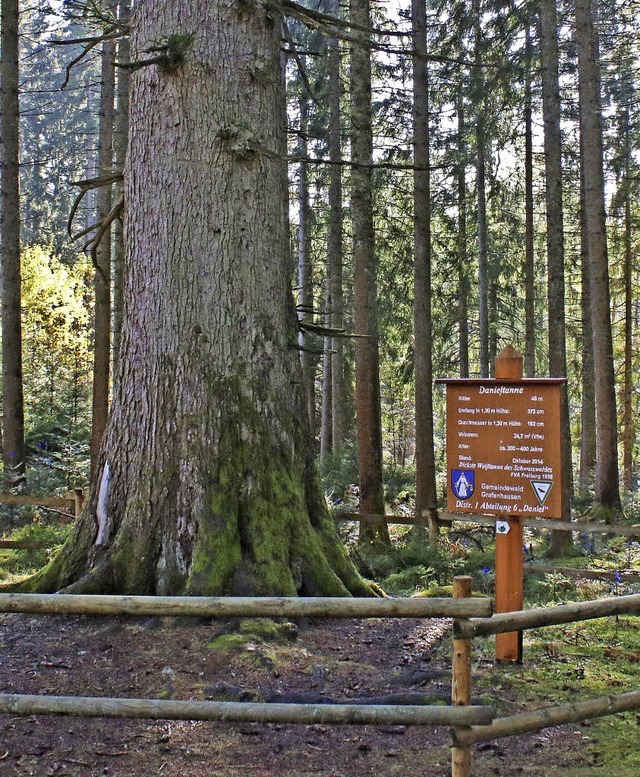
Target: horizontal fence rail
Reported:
[(549, 524), (472, 618), (17, 500), (23, 545), (74, 500), (244, 607), (552, 716), (547, 616), (234, 712)]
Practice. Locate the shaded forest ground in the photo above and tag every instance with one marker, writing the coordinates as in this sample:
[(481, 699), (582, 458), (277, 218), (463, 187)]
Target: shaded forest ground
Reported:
[(380, 660)]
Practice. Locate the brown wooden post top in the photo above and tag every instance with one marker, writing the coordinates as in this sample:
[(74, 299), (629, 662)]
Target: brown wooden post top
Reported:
[(509, 364)]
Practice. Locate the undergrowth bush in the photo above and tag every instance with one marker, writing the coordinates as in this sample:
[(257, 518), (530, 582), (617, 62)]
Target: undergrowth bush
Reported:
[(411, 565), (19, 562)]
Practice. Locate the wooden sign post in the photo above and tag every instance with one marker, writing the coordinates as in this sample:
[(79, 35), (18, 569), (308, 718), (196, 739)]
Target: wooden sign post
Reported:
[(509, 541), (504, 458)]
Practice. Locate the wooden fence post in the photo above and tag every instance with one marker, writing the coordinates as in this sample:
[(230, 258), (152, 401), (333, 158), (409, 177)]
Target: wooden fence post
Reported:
[(78, 498), (461, 683)]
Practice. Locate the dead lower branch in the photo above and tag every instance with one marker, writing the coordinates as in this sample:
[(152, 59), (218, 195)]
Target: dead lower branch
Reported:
[(111, 33), (326, 331), (103, 227), (86, 186)]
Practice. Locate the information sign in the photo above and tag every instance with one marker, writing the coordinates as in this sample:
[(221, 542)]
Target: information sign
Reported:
[(504, 447)]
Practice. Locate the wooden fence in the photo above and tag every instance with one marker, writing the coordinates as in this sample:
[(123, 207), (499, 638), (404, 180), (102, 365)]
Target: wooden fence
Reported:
[(549, 524), (473, 617), (465, 630), (70, 505)]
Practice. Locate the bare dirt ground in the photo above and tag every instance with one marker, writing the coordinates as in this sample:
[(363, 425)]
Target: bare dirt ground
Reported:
[(381, 660)]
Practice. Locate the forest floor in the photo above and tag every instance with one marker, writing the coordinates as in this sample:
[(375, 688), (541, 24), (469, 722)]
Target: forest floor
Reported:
[(385, 661)]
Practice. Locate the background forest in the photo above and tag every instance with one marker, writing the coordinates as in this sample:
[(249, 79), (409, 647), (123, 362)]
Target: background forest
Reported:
[(503, 178)]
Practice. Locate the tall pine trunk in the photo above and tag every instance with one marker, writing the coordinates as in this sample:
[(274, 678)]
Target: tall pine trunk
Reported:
[(529, 240), (481, 195), (426, 496), (326, 421), (628, 431), (334, 244), (206, 481), (102, 279), (607, 488), (588, 407), (120, 139), (462, 255), (305, 273), (368, 410), (13, 402), (555, 244)]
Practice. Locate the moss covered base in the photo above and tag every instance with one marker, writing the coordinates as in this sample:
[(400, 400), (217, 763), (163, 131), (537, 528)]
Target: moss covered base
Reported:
[(274, 539)]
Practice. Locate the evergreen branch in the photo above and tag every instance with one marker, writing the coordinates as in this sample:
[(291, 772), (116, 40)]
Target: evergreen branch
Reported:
[(298, 60), (308, 15), (114, 33), (141, 63), (333, 27), (90, 11), (365, 165)]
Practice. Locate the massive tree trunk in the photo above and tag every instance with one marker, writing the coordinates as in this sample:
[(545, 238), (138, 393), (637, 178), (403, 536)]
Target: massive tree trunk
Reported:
[(607, 488), (13, 403), (206, 481)]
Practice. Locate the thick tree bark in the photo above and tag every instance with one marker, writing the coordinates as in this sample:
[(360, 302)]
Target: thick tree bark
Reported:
[(102, 281), (368, 411), (426, 496), (13, 403), (607, 489), (555, 244), (206, 481)]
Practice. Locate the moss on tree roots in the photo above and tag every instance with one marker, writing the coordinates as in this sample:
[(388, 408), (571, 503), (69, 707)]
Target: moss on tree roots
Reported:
[(259, 532)]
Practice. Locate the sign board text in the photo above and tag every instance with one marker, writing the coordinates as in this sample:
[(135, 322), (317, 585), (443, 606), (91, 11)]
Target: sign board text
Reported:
[(504, 447)]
